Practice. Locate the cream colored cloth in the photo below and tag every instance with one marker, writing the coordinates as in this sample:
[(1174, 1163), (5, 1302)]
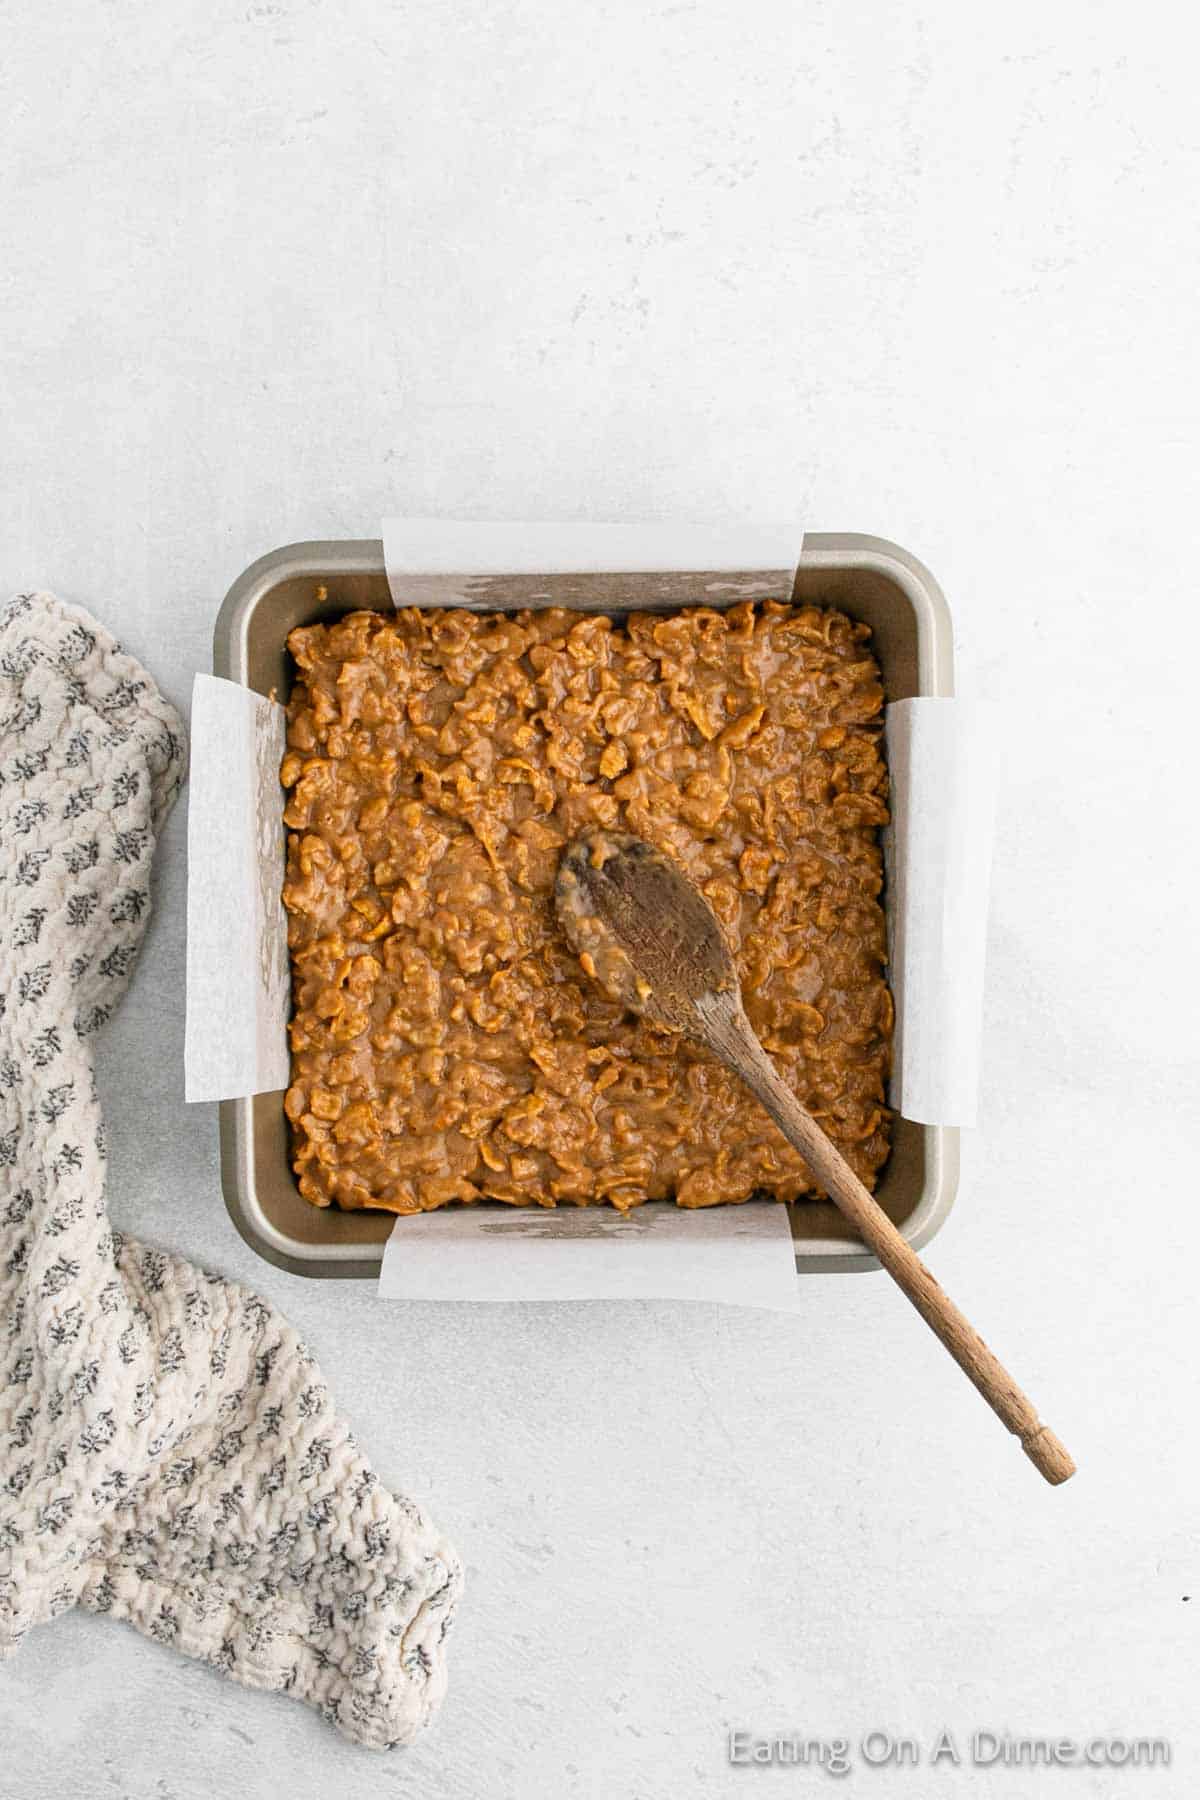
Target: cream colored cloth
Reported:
[(169, 1453)]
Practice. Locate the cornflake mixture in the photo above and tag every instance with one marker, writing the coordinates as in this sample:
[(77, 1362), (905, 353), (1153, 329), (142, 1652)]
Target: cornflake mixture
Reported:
[(446, 1044)]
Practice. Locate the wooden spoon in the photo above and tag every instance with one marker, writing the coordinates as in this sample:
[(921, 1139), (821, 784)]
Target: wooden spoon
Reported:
[(654, 945)]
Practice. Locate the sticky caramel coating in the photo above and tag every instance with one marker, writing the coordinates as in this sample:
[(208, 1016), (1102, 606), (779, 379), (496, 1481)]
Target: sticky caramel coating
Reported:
[(446, 1043)]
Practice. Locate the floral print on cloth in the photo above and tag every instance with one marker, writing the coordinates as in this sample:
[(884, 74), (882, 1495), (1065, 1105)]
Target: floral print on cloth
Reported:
[(169, 1453)]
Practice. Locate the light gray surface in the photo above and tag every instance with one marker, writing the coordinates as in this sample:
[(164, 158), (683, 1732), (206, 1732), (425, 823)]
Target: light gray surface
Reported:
[(269, 271)]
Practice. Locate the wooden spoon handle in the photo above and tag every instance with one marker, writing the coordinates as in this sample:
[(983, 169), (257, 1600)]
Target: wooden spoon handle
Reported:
[(733, 1039)]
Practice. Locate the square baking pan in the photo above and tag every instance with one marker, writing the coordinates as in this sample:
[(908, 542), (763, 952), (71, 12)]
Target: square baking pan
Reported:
[(865, 577)]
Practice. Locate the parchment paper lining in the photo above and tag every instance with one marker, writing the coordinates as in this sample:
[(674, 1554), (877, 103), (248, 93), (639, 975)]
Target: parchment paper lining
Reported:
[(943, 762)]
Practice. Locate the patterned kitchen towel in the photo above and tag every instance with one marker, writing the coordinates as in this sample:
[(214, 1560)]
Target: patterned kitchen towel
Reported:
[(169, 1453)]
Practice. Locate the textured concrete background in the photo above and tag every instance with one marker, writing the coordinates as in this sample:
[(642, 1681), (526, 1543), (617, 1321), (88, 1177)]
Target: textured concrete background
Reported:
[(270, 270)]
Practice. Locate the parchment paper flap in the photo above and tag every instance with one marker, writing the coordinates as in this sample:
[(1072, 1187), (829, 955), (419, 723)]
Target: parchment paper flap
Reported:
[(943, 762), (736, 1255), (238, 980), (595, 568)]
